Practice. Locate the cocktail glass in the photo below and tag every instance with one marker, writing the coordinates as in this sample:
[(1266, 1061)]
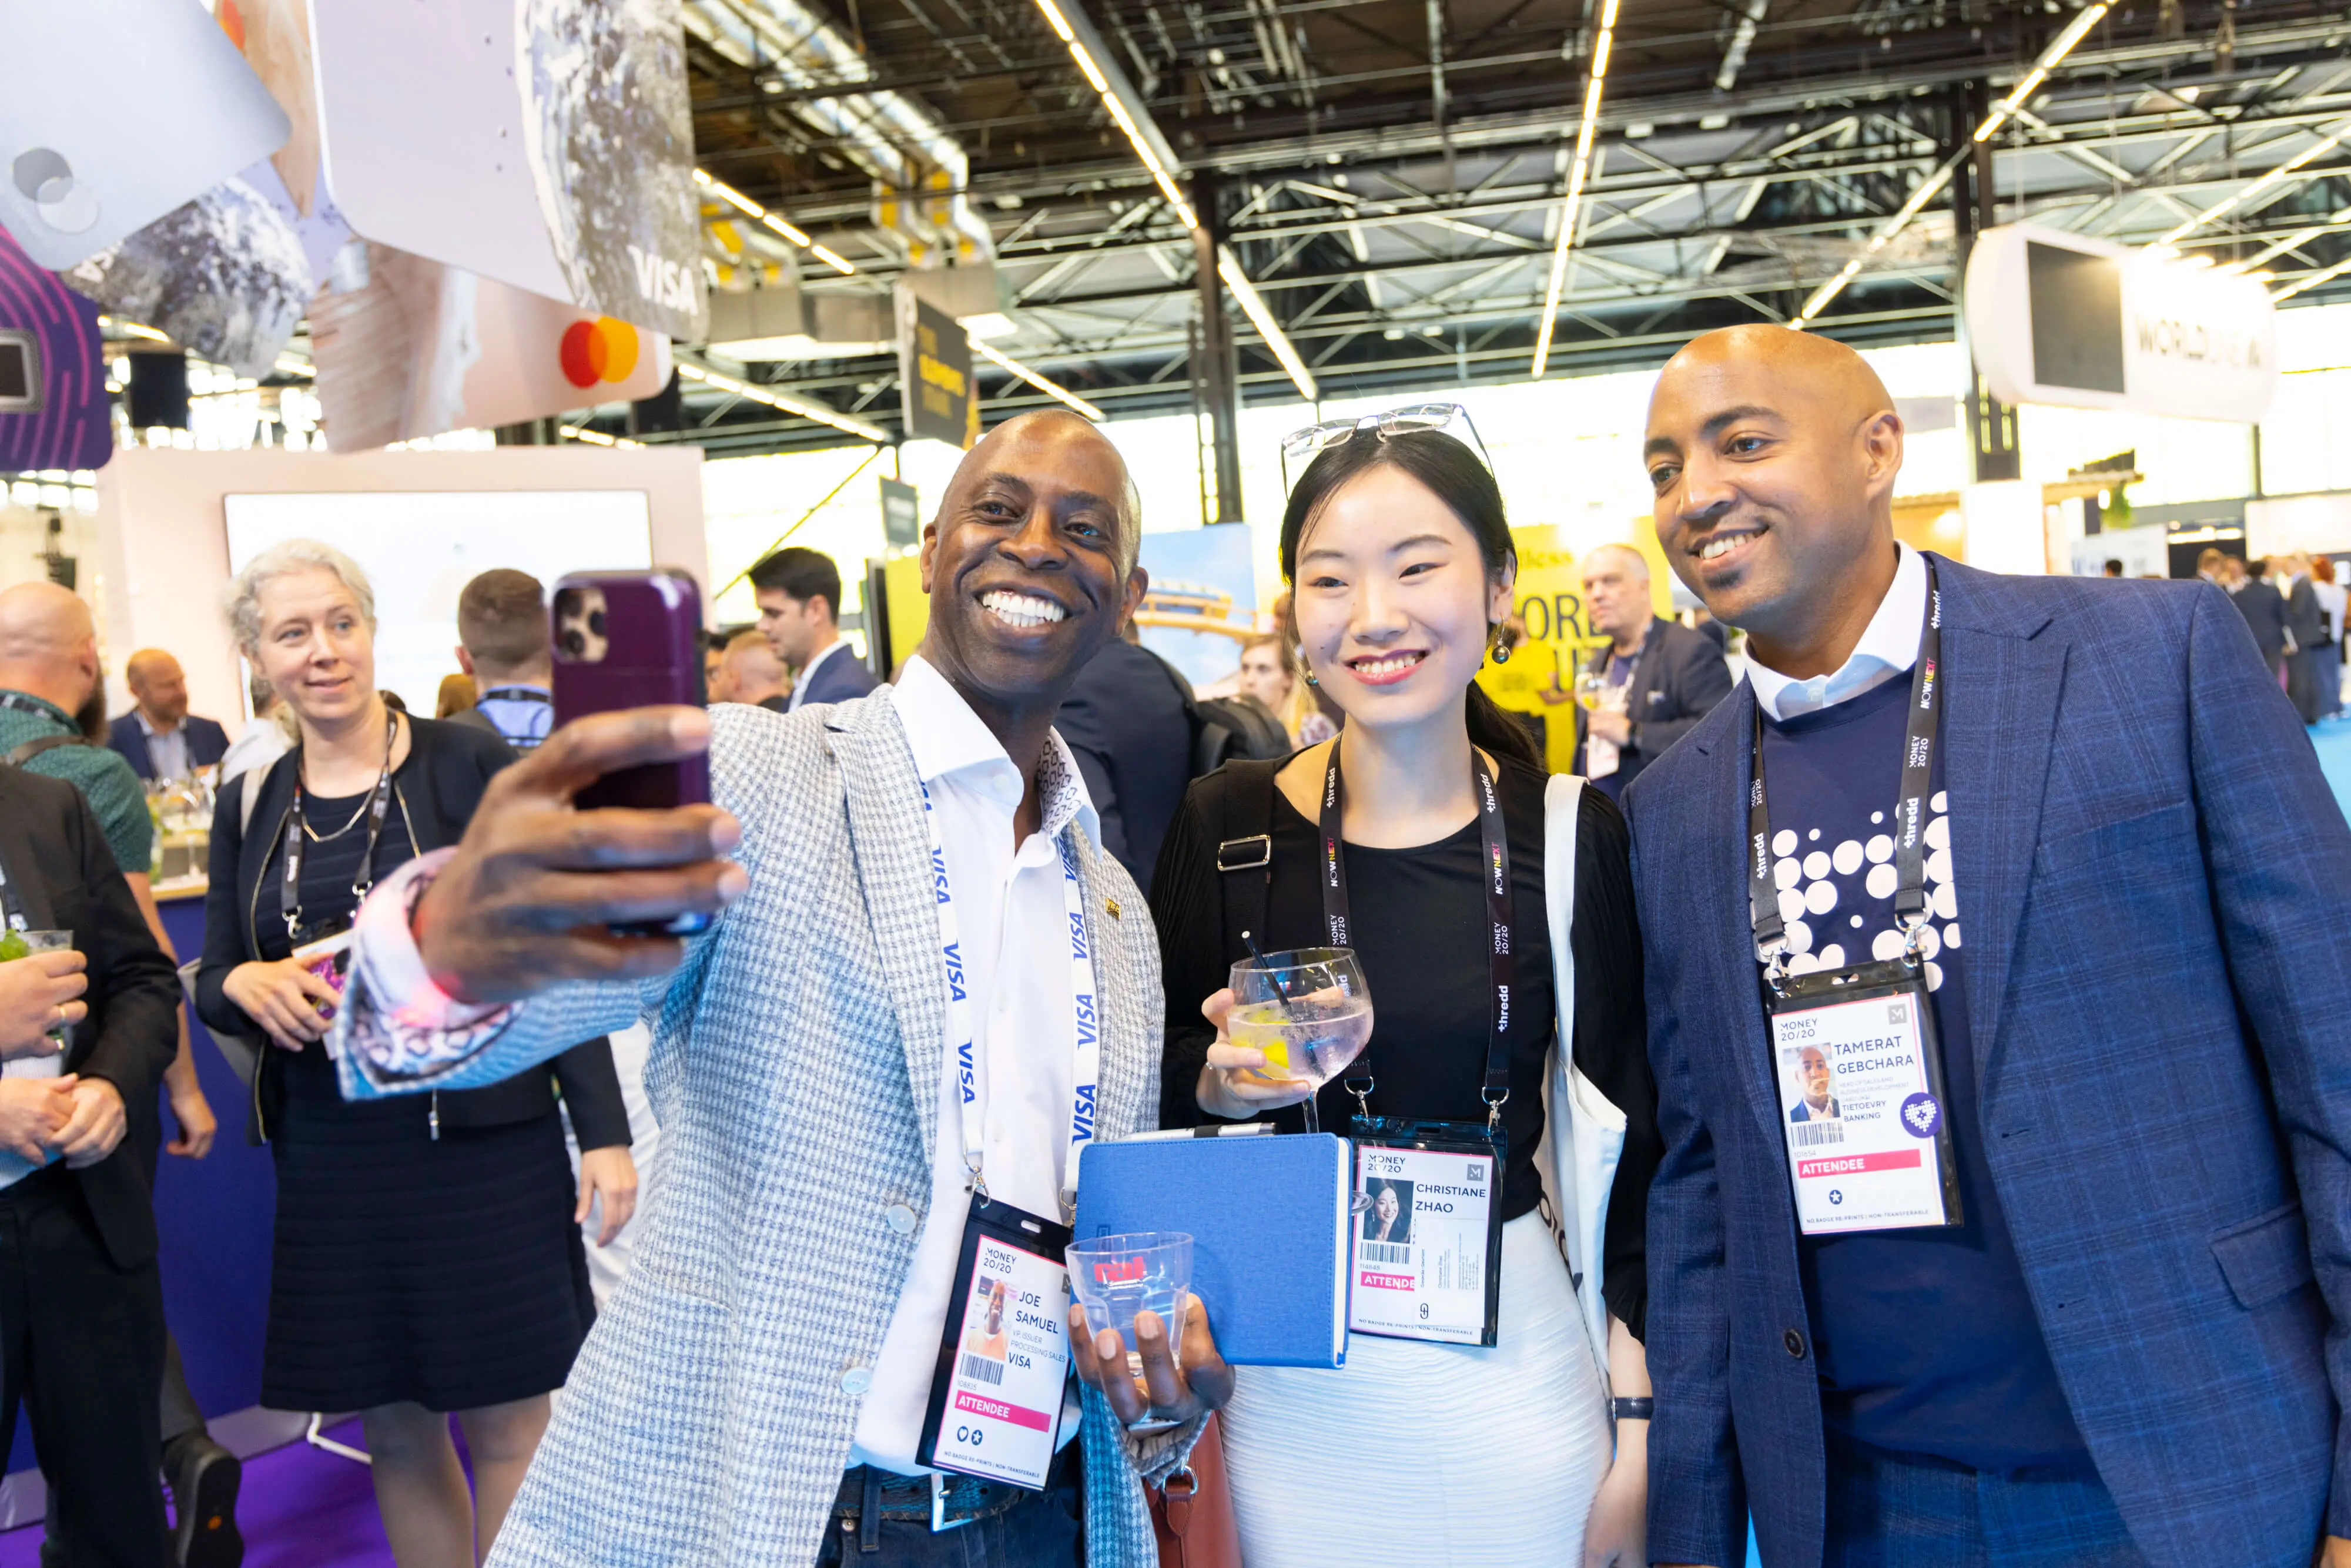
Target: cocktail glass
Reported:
[(1308, 1010)]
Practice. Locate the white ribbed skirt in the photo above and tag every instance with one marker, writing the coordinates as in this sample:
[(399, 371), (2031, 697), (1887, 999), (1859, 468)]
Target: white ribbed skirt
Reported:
[(1430, 1454)]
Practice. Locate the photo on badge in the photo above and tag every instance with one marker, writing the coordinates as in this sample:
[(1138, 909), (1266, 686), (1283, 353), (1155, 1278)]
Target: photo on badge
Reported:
[(1811, 1096)]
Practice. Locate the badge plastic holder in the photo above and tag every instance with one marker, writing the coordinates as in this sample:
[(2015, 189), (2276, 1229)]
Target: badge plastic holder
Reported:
[(1867, 982), (1046, 1242), (1466, 1138)]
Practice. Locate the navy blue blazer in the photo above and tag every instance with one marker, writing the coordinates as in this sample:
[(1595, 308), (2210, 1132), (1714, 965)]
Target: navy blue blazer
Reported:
[(1126, 724), (1679, 679), (2159, 945), (207, 742), (841, 676)]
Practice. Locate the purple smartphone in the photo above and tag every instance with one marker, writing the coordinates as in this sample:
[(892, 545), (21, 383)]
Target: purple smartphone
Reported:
[(624, 639)]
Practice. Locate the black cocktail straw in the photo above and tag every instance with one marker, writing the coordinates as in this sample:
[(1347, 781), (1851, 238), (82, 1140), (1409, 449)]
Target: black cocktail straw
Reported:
[(1281, 986)]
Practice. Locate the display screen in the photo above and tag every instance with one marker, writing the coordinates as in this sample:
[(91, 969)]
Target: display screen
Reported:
[(2077, 319), (20, 372), (419, 549)]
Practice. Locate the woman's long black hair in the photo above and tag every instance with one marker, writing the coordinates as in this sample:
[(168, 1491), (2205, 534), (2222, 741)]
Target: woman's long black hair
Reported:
[(1454, 474)]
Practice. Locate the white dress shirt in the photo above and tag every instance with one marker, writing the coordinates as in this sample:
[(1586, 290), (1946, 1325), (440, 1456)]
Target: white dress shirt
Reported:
[(1009, 903), (168, 753), (1888, 647), (800, 681)]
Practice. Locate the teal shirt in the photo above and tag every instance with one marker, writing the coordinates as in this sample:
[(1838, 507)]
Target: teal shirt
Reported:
[(103, 776)]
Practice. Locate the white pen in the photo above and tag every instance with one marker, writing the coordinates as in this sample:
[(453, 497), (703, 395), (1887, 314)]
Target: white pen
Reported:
[(1229, 1130)]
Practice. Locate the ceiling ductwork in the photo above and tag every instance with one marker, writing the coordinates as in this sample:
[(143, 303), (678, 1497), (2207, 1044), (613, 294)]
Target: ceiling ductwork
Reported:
[(920, 172)]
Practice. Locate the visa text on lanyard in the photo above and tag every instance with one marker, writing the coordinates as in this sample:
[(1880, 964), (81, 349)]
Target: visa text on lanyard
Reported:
[(1086, 1022)]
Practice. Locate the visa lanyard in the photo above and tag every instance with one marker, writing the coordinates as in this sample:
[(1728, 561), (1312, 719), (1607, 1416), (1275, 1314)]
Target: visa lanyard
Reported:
[(1494, 865), (290, 889), (1924, 727), (1085, 1023)]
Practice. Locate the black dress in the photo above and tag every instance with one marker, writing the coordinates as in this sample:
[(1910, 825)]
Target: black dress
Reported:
[(445, 1271), (1419, 924)]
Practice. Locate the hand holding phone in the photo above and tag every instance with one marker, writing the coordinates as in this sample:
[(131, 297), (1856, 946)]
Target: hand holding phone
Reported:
[(591, 856), (541, 892)]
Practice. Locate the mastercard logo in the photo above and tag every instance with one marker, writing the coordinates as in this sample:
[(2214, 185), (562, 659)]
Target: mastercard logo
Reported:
[(599, 351)]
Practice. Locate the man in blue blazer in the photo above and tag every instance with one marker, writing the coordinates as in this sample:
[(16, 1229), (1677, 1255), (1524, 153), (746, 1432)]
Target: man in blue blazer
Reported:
[(2131, 1349), (798, 591), (158, 737)]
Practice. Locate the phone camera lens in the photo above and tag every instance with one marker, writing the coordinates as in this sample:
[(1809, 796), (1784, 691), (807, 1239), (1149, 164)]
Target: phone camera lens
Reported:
[(596, 622), (574, 644)]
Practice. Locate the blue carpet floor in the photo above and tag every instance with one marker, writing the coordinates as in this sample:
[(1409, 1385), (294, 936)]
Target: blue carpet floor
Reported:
[(2333, 740)]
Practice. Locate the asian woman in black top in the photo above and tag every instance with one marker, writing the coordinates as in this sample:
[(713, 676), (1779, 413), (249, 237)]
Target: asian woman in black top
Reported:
[(1401, 563)]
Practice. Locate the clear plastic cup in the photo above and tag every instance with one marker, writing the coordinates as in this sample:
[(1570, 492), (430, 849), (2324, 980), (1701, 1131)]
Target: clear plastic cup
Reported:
[(1116, 1277), (42, 942)]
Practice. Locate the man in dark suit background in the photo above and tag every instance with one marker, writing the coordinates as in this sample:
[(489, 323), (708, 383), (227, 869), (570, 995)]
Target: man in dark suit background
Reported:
[(799, 593), (1124, 721), (81, 1303), (2133, 1350), (2305, 622), (2262, 607), (1670, 676), (158, 737)]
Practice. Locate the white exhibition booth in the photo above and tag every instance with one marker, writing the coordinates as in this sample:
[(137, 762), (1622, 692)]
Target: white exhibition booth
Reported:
[(173, 526)]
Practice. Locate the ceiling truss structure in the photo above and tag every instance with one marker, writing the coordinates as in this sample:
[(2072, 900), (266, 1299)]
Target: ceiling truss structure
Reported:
[(1390, 172)]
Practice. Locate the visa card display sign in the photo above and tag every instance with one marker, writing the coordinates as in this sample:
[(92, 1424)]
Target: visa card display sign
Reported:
[(547, 144), (2054, 317), (422, 348), (54, 411)]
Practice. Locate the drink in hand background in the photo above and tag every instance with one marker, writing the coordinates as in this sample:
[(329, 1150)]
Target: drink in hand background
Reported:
[(24, 945), (1116, 1277)]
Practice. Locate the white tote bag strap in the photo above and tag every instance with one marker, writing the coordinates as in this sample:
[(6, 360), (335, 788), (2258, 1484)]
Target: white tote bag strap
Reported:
[(1585, 1132)]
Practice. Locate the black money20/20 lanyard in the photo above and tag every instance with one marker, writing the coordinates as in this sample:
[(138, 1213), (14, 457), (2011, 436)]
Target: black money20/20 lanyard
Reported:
[(1495, 866), (378, 806), (1923, 729)]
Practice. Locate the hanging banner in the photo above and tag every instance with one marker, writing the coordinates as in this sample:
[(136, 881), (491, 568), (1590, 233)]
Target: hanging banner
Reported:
[(545, 143), (113, 113), (54, 410), (2054, 317), (228, 274), (421, 347), (940, 396), (902, 515)]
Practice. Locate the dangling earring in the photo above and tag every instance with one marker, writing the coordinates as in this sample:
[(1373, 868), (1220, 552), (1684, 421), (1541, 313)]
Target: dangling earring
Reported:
[(1501, 645), (1310, 680)]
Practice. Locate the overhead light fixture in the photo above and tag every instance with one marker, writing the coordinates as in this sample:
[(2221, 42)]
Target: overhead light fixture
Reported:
[(1003, 361), (1128, 111), (1571, 210), (1253, 306), (807, 408), (1119, 98), (134, 329), (758, 213), (2301, 285), (2059, 47), (598, 438), (2275, 177)]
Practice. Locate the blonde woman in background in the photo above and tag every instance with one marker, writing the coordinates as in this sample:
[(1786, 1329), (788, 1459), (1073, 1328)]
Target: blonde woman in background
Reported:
[(1266, 675), (456, 695)]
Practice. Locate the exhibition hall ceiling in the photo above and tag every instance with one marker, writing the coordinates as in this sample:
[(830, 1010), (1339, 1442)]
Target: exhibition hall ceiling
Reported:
[(1390, 172)]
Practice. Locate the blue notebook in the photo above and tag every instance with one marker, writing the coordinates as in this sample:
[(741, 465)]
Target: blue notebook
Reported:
[(1268, 1216)]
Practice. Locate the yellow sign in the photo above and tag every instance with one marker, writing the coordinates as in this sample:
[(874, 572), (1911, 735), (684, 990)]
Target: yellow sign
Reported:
[(1539, 680)]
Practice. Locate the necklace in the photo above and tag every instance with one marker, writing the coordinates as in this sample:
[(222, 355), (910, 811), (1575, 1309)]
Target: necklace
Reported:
[(316, 837)]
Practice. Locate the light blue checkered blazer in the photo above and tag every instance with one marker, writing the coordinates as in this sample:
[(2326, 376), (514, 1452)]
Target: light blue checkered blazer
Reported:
[(795, 1069)]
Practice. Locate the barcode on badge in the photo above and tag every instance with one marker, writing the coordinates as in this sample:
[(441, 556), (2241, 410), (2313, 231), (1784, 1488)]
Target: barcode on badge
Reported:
[(1388, 1252), (981, 1370), (1812, 1135)]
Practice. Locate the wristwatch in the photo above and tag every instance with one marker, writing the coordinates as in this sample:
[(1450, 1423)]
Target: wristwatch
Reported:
[(1641, 1409)]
